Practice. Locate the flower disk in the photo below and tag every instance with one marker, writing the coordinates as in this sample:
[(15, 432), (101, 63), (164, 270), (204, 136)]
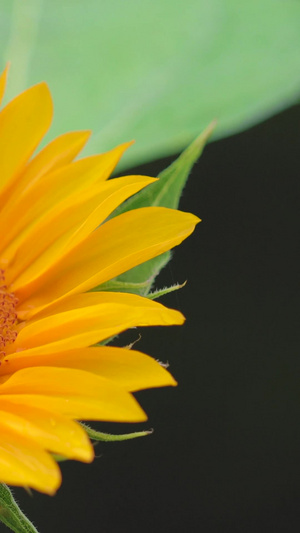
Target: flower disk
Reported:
[(57, 244)]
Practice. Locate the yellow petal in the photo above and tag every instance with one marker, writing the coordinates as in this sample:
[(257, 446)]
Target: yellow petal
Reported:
[(58, 153), (65, 226), (130, 369), (118, 245), (3, 79), (85, 319), (78, 407), (23, 123), (64, 186), (24, 463), (49, 430), (110, 401)]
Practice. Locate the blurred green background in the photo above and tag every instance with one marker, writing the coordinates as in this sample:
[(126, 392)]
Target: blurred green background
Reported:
[(154, 71)]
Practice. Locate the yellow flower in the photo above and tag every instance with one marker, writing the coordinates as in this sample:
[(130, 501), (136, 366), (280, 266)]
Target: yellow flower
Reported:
[(54, 247)]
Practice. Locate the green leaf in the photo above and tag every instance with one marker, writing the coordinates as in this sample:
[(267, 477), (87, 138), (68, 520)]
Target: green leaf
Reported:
[(165, 192), (11, 515), (108, 437), (155, 71)]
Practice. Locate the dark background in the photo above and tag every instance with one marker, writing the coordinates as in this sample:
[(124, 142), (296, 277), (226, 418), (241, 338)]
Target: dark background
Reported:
[(225, 454)]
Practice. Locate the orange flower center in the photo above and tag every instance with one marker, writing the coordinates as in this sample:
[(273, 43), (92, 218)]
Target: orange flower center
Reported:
[(8, 315)]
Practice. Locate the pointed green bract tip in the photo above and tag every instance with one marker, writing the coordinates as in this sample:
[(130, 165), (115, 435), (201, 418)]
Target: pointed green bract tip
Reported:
[(166, 192)]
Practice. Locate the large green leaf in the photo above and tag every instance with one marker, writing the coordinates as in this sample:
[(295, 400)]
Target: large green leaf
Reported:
[(158, 70)]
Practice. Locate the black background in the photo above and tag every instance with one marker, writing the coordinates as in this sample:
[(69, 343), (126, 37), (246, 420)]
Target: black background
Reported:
[(225, 454)]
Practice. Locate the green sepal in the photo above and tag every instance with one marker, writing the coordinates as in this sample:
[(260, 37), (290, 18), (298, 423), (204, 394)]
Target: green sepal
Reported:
[(141, 285), (115, 285), (11, 515), (165, 192), (161, 292), (146, 271), (59, 458), (108, 437)]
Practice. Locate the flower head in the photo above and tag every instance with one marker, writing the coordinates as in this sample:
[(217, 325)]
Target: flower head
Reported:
[(56, 245)]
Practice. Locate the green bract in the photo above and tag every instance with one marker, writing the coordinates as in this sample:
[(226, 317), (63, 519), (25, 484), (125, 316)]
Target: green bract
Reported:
[(11, 515), (165, 192)]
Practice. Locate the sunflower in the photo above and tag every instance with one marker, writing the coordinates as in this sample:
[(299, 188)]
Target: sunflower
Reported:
[(57, 243)]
